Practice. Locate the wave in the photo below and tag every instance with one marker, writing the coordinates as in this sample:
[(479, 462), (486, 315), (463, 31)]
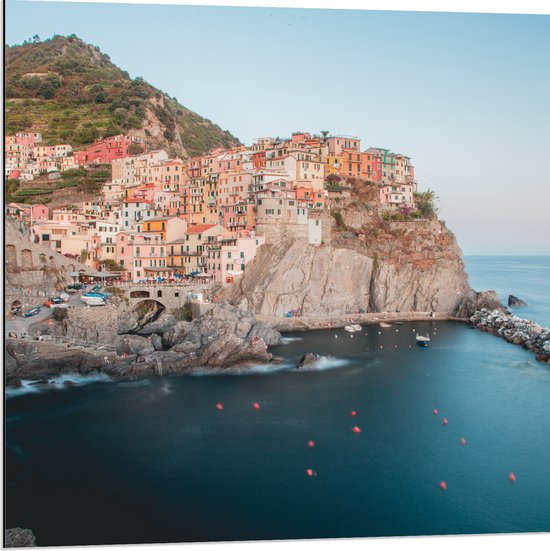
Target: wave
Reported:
[(56, 383), (327, 362), (253, 369), (287, 340)]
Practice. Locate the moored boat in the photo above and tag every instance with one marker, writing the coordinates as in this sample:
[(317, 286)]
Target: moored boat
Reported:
[(422, 340), (384, 324)]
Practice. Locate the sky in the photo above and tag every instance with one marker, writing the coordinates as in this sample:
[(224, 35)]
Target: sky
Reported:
[(466, 96)]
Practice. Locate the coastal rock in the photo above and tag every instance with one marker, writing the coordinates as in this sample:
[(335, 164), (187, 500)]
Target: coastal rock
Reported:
[(89, 325), (38, 360), (473, 302), (165, 322), (308, 361), (516, 330), (156, 341), (515, 302), (133, 344), (19, 537), (223, 337), (416, 268), (134, 319)]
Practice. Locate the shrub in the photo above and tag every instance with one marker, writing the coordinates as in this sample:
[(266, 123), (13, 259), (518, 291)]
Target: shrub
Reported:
[(183, 313), (337, 215)]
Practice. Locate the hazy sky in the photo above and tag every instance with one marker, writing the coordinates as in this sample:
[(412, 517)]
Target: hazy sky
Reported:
[(467, 96)]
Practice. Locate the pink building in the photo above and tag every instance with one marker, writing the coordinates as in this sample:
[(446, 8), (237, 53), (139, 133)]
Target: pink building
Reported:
[(137, 251), (336, 144), (40, 212), (227, 260), (108, 149)]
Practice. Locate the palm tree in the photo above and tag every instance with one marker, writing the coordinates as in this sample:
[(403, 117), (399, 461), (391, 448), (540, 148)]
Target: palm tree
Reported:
[(325, 133), (426, 203)]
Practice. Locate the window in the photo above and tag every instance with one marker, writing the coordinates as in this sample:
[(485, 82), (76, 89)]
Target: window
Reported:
[(242, 254), (229, 254)]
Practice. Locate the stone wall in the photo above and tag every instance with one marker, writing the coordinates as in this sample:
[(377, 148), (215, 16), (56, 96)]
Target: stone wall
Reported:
[(33, 271)]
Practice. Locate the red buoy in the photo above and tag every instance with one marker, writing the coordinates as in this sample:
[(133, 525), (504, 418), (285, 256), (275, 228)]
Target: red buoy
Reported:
[(443, 485), (356, 429), (311, 472), (512, 477), (219, 406), (463, 441), (435, 411), (445, 422), (256, 405), (311, 444), (353, 413)]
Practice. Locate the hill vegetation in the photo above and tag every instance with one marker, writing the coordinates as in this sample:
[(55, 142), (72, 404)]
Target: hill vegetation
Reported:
[(72, 93), (80, 184)]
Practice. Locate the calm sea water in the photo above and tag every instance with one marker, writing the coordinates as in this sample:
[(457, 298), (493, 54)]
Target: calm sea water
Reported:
[(526, 277), (155, 461)]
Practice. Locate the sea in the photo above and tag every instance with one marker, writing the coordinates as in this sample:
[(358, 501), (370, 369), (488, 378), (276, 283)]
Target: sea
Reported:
[(274, 454)]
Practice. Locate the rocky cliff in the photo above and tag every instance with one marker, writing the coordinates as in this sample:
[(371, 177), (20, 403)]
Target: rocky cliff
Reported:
[(397, 267)]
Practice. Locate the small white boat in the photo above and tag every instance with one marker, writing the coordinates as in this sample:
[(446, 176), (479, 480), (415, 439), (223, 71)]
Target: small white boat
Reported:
[(352, 328), (93, 301), (384, 324), (422, 340)]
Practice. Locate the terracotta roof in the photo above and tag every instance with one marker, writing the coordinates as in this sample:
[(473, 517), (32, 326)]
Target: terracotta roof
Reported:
[(199, 228)]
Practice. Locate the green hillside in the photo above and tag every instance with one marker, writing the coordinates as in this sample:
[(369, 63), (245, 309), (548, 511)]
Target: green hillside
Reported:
[(72, 93)]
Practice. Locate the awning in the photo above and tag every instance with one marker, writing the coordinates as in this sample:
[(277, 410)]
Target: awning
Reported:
[(204, 275)]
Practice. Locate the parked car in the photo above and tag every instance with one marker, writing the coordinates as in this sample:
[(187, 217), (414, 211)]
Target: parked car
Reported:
[(76, 286), (32, 311)]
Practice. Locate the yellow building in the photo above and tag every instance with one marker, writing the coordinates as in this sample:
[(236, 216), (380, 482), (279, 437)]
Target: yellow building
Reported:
[(333, 164)]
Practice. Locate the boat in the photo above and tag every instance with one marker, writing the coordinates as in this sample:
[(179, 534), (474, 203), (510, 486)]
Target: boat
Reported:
[(399, 322), (102, 296), (383, 324), (92, 299), (422, 340), (353, 328)]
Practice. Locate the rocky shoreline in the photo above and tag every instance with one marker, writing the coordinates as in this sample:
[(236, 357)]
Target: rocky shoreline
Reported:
[(223, 338), (515, 330), (126, 345)]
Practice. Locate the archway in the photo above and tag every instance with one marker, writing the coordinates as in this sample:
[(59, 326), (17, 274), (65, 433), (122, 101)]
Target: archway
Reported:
[(11, 255), (26, 258)]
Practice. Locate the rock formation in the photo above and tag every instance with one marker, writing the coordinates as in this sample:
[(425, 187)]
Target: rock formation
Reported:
[(223, 337), (406, 268), (19, 537), (515, 302), (526, 333)]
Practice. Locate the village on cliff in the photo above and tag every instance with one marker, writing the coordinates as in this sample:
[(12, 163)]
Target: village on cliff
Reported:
[(161, 218)]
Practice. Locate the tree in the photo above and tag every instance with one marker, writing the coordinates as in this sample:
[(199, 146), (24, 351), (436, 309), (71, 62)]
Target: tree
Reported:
[(110, 265), (36, 38), (83, 255), (426, 203), (325, 134), (135, 149)]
